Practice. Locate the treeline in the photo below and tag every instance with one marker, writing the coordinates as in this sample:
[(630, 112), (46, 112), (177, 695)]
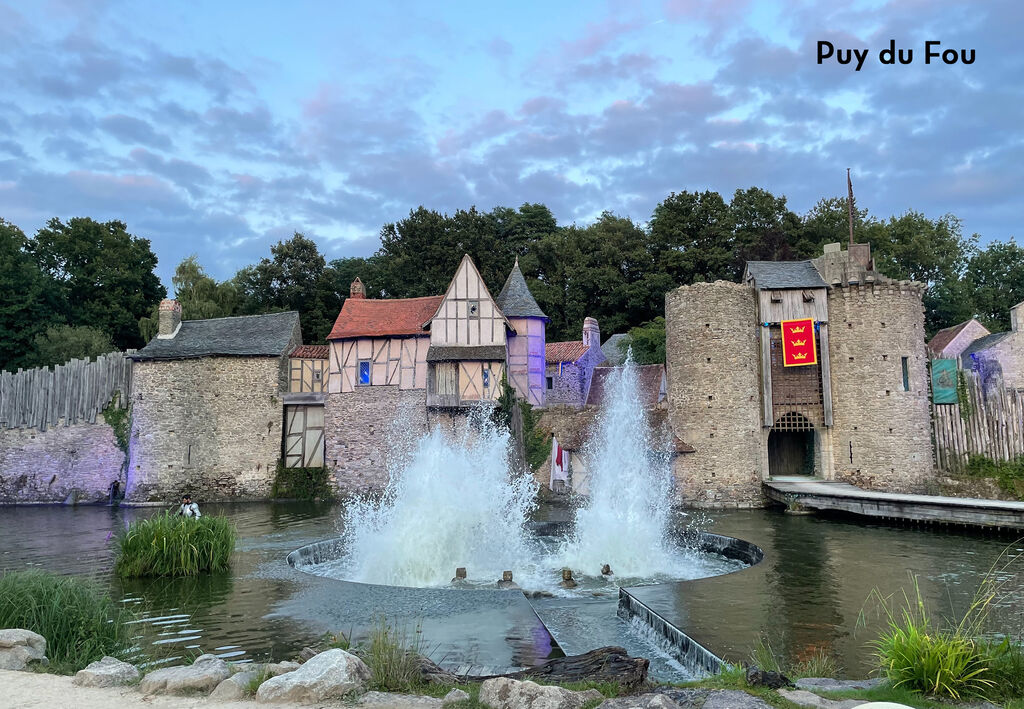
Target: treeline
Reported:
[(88, 285)]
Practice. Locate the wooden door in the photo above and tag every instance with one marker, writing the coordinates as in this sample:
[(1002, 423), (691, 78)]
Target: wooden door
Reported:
[(304, 437)]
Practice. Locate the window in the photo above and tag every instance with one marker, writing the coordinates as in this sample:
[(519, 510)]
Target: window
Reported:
[(551, 382), (318, 375), (487, 377), (364, 372), (906, 373), (473, 308)]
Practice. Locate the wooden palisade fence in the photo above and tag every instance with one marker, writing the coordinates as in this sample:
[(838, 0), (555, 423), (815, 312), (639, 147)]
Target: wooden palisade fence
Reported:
[(68, 393), (989, 424)]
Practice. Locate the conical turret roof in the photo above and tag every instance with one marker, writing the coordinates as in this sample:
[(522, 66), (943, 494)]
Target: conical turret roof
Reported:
[(515, 299)]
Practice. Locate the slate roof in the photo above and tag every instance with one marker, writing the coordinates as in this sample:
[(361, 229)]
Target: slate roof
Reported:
[(615, 349), (244, 336), (480, 353), (515, 299), (649, 379), (781, 275), (310, 352), (564, 351), (365, 317), (945, 336), (984, 343)]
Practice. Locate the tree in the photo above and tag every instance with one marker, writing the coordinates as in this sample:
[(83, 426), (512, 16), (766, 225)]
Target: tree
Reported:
[(691, 237), (648, 342), (200, 296), (764, 228), (996, 278), (296, 277), (62, 343), (29, 302), (103, 274)]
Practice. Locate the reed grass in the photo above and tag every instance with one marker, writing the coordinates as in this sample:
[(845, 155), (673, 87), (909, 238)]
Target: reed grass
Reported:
[(80, 622), (393, 655), (168, 545)]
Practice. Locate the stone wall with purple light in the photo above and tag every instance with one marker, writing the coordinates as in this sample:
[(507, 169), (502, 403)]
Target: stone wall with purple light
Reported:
[(70, 464)]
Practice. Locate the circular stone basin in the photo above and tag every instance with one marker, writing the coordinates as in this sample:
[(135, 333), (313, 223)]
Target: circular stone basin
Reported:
[(700, 555)]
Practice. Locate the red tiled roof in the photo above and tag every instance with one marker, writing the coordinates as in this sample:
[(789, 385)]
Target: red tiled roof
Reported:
[(310, 352), (364, 317), (944, 337), (564, 351)]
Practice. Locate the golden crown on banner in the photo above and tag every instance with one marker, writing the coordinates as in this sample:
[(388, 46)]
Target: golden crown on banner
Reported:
[(799, 355), (798, 330), (798, 343)]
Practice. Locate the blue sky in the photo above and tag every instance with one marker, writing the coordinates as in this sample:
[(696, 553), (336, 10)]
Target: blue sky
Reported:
[(220, 128)]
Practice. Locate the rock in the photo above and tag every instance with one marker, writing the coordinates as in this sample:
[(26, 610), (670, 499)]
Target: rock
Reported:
[(454, 697), (605, 664), (388, 700), (827, 684), (21, 648), (685, 698), (330, 675), (276, 669), (235, 687), (884, 705), (756, 677), (201, 677), (642, 701), (506, 693), (810, 699), (734, 699), (307, 654), (108, 672), (432, 673)]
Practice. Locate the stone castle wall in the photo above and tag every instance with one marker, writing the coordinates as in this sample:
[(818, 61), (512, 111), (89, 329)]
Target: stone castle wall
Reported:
[(881, 433), (211, 426), (74, 463), (714, 393), (363, 427)]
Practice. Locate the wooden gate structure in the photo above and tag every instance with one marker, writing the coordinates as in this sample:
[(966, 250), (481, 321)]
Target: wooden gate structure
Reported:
[(304, 436), (988, 423)]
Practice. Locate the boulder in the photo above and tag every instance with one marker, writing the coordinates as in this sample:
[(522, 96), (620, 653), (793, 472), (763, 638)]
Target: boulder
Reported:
[(275, 669), (330, 675), (643, 701), (827, 684), (809, 699), (389, 700), (454, 697), (235, 688), (108, 672), (506, 693), (201, 677), (21, 648), (734, 699)]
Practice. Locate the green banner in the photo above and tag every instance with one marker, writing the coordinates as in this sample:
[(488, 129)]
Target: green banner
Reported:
[(944, 381)]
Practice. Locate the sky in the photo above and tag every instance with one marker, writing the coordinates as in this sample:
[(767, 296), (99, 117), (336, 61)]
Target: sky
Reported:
[(220, 128)]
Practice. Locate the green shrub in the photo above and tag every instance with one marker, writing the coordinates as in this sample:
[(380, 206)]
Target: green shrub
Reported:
[(819, 663), (301, 483), (1008, 474), (1006, 660), (168, 545), (80, 622)]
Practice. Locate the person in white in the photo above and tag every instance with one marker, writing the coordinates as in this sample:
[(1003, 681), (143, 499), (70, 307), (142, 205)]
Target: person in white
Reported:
[(189, 508)]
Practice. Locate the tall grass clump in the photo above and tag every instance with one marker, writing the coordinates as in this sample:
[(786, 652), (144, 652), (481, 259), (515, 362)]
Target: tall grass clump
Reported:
[(393, 655), (950, 658), (80, 622), (168, 545)]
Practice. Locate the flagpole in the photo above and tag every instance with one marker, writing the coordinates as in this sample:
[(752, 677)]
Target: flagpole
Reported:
[(849, 204)]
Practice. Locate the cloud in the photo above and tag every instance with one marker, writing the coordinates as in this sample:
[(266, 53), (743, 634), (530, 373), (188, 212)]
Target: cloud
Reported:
[(134, 131)]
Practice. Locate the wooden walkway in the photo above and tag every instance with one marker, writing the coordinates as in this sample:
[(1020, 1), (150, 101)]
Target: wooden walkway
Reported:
[(812, 494)]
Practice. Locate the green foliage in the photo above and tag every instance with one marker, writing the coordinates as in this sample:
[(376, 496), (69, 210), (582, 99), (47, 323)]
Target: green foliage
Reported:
[(119, 420), (995, 279), (1008, 474), (536, 442), (28, 300), (62, 343), (648, 342), (168, 545), (392, 653), (103, 274), (963, 396), (819, 663), (261, 676), (301, 483), (80, 622)]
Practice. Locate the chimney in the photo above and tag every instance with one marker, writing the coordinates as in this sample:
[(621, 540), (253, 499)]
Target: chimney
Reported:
[(357, 290), (170, 318), (1017, 317), (591, 333)]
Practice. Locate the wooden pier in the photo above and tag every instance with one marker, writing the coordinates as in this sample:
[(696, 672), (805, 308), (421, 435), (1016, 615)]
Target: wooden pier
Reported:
[(824, 495)]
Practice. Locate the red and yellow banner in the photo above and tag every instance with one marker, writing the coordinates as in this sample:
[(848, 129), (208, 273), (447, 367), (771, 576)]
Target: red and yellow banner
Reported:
[(798, 347)]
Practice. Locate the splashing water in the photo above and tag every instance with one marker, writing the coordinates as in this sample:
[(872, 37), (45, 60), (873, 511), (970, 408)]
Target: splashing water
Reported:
[(625, 522), (454, 503)]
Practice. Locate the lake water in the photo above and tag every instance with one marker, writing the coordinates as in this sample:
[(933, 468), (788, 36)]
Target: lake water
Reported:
[(807, 593)]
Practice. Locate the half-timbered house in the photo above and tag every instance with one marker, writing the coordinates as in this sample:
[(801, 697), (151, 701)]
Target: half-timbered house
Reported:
[(304, 407)]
